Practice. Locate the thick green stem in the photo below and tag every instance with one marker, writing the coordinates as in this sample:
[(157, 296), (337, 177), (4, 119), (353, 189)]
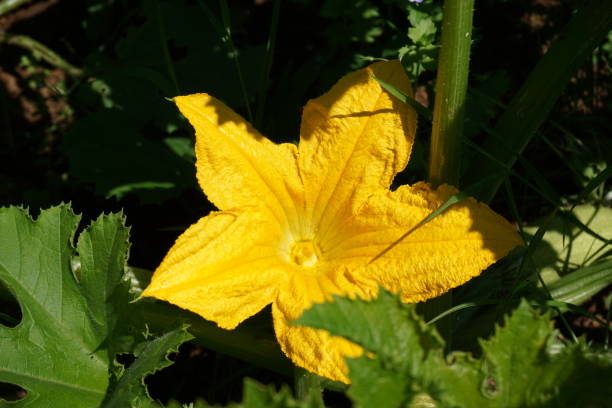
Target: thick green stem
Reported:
[(447, 125), (43, 51), (451, 87)]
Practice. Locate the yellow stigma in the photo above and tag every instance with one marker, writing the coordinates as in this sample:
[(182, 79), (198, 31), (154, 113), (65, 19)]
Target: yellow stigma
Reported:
[(304, 253)]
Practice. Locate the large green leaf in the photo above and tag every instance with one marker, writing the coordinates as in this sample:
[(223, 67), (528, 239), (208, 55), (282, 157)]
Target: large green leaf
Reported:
[(59, 351), (524, 364)]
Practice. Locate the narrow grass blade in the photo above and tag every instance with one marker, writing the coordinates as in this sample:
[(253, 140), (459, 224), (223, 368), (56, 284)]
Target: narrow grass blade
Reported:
[(594, 183), (225, 33), (533, 102), (218, 27), (265, 72), (458, 308), (163, 40), (536, 241), (421, 110), (568, 307), (443, 207), (548, 194)]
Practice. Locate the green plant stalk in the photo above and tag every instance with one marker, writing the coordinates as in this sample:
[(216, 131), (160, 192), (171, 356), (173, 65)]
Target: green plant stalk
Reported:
[(43, 51), (451, 88), (9, 5), (533, 102), (447, 125)]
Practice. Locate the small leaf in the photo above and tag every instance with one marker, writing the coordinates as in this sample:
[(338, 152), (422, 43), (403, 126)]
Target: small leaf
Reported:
[(153, 357), (423, 33)]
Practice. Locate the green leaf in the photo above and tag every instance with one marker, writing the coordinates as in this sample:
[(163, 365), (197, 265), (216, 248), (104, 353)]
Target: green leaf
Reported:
[(58, 352), (566, 247), (524, 364), (423, 33), (130, 390), (389, 329)]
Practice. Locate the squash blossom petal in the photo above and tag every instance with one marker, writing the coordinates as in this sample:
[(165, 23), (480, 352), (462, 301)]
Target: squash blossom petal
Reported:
[(299, 224)]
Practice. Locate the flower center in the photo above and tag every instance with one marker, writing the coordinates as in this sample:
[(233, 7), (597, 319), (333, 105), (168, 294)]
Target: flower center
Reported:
[(304, 253)]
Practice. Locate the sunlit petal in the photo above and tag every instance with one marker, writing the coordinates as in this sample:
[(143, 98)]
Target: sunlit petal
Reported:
[(353, 138), (314, 350), (225, 268), (237, 166), (438, 256)]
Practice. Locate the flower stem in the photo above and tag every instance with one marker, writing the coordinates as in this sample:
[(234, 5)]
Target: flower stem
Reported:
[(447, 125), (451, 87), (306, 384)]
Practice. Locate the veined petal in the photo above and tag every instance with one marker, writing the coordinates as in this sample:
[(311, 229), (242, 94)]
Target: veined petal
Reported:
[(353, 138), (237, 166), (313, 349), (225, 268), (454, 247)]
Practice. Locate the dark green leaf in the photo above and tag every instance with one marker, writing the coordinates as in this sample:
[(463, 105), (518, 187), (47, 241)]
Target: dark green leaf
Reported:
[(153, 357)]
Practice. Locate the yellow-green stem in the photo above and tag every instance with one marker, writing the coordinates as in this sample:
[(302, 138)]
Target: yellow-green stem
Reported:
[(447, 125), (451, 87)]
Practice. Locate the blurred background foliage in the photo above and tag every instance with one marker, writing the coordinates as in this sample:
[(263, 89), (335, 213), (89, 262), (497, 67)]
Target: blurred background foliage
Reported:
[(85, 115)]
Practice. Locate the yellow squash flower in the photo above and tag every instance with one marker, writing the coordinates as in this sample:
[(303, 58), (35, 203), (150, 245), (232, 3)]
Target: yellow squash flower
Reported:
[(299, 224)]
